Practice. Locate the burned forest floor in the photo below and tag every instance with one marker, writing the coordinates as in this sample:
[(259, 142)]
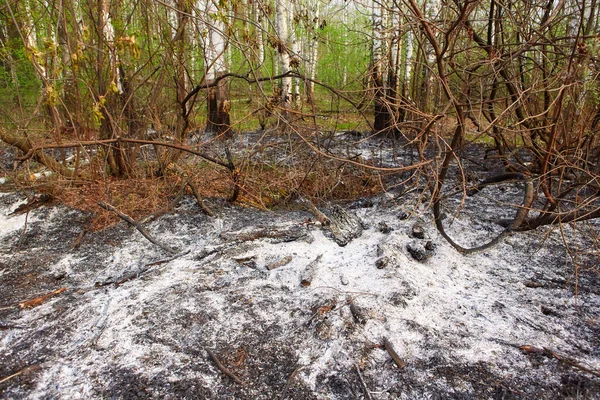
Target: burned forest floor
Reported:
[(254, 304)]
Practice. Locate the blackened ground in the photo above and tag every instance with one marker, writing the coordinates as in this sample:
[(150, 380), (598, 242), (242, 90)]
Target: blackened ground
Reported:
[(276, 336)]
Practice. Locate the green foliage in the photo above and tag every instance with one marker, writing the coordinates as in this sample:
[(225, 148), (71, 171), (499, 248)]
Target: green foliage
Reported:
[(343, 48)]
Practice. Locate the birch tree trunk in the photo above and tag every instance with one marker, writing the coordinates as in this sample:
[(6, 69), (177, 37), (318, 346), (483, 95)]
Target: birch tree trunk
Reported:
[(295, 97), (314, 54), (378, 70), (283, 29), (215, 45), (260, 32)]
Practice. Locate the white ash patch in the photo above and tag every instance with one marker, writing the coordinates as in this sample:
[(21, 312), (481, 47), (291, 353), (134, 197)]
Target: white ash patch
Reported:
[(450, 312)]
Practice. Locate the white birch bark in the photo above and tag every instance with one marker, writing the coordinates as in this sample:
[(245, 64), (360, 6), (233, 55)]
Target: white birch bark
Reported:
[(408, 71), (314, 49), (284, 55), (30, 33), (214, 42), (258, 19), (295, 53), (378, 37)]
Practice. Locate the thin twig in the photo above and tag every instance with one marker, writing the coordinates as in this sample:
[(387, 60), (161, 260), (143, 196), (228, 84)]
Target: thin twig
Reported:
[(562, 358), (223, 369), (363, 383), (168, 208), (25, 370), (200, 200), (139, 227), (289, 382), (390, 349), (23, 231), (41, 300)]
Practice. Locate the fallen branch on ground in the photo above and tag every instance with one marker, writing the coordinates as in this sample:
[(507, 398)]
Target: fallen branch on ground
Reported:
[(363, 383), (25, 370), (137, 226), (33, 150), (32, 203), (308, 274), (527, 349), (223, 369), (311, 208), (200, 200), (390, 349), (277, 234), (289, 382), (4, 327), (23, 144), (38, 301), (77, 242), (140, 272), (279, 263), (168, 208)]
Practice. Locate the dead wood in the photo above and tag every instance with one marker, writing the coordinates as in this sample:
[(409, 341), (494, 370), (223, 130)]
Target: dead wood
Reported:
[(138, 226), (168, 208), (527, 349), (311, 208), (38, 301), (77, 242), (26, 370), (5, 327), (33, 150), (289, 382), (223, 369), (235, 176), (32, 203), (22, 235), (279, 263), (188, 182), (357, 314), (343, 225), (100, 324), (200, 200), (308, 274), (515, 224), (23, 144), (532, 284), (210, 250), (390, 349), (139, 272), (363, 383), (283, 234)]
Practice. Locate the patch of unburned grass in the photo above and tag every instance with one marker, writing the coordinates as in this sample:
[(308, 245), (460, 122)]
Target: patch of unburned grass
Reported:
[(137, 197)]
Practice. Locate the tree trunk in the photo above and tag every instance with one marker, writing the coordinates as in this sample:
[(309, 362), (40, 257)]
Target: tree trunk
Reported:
[(215, 45), (283, 36), (23, 144), (382, 115)]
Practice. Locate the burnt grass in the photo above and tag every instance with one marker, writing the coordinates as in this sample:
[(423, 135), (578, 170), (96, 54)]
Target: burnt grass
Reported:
[(260, 352)]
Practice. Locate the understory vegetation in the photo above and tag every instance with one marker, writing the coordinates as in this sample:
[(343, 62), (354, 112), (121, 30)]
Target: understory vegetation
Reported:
[(137, 102)]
